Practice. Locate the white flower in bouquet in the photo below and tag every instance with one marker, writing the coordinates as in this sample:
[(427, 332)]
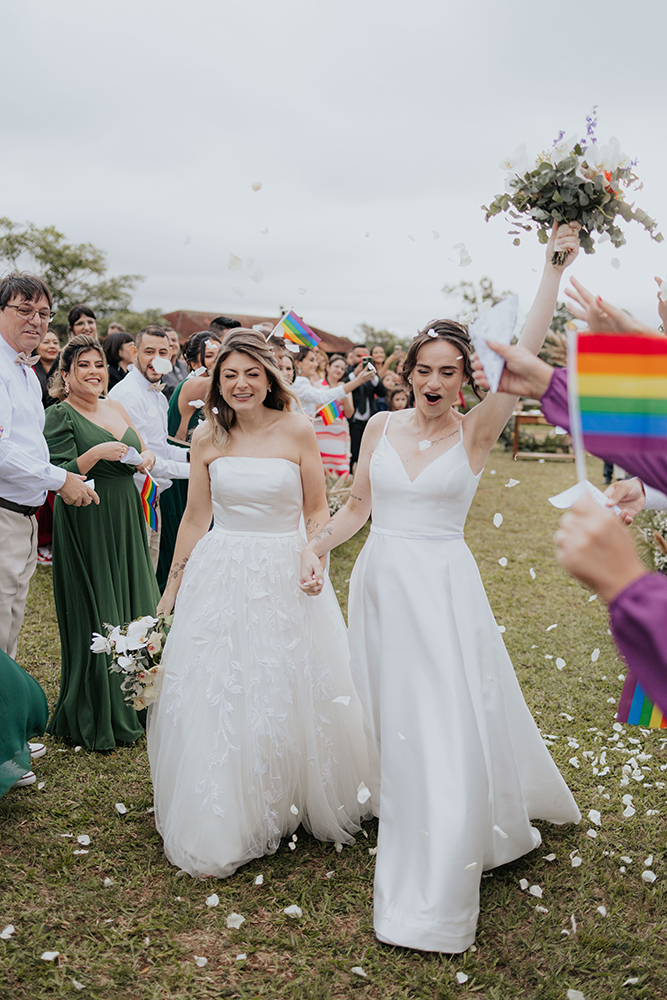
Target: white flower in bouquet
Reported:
[(100, 643), (154, 643), (136, 651)]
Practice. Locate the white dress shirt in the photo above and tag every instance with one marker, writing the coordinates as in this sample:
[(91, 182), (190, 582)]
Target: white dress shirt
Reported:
[(147, 409), (25, 470), (312, 397)]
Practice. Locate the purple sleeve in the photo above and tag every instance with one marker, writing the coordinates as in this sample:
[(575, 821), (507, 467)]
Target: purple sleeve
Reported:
[(639, 626), (650, 467)]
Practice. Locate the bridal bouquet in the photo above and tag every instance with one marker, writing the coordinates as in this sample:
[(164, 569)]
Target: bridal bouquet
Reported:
[(136, 651), (577, 180)]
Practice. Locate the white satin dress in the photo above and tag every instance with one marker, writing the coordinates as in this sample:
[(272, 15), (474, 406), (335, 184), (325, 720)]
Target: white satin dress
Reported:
[(461, 766), (257, 727)]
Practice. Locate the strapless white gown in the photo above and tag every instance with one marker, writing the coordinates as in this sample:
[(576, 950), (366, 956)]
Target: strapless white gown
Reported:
[(258, 727), (461, 764)]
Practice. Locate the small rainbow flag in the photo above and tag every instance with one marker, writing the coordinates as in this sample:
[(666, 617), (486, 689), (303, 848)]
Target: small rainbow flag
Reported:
[(149, 501), (636, 708), (293, 328), (330, 412), (622, 392)]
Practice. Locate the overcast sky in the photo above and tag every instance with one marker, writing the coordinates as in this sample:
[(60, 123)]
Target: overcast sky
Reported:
[(141, 126)]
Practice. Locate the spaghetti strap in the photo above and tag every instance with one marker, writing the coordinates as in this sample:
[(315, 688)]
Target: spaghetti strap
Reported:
[(386, 424)]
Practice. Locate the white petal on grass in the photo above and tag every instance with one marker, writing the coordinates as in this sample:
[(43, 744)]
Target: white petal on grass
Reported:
[(77, 985), (83, 839), (293, 911), (649, 876), (242, 957), (7, 932), (121, 808), (573, 924), (373, 851), (502, 561), (338, 846), (501, 833), (492, 472), (541, 909), (575, 995), (200, 961), (532, 572), (595, 817), (513, 482), (358, 971), (363, 793), (523, 884), (342, 699), (648, 862), (549, 857), (632, 981), (591, 833), (235, 920), (49, 956), (551, 627), (40, 785), (576, 862), (497, 520), (574, 761), (501, 628), (461, 978), (147, 941), (629, 811), (536, 890), (627, 860), (602, 910), (593, 597), (213, 900), (108, 882), (560, 662), (82, 851), (595, 655)]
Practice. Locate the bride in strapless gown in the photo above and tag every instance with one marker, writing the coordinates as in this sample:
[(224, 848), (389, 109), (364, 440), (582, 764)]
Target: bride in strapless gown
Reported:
[(458, 765), (258, 727)]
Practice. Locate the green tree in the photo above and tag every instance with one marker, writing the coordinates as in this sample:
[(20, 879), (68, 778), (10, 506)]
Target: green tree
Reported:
[(368, 335), (75, 272), (475, 295)]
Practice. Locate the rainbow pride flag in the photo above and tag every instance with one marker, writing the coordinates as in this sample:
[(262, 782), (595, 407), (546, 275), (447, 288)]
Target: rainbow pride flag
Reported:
[(330, 412), (622, 381), (636, 708), (293, 328), (149, 501)]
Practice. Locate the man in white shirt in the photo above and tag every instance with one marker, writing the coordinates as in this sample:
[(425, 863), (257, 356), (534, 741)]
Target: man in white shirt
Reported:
[(26, 474), (140, 392)]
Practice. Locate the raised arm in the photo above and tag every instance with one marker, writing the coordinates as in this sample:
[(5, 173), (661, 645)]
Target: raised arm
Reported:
[(349, 519), (484, 423), (196, 519)]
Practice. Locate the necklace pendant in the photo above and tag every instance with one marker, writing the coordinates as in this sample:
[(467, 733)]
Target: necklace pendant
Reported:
[(423, 445)]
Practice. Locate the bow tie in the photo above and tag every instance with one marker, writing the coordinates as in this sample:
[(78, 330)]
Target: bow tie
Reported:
[(156, 387), (23, 359)]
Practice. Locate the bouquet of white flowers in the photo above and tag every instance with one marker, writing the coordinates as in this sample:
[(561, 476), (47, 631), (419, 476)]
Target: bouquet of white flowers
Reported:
[(136, 651), (577, 180)]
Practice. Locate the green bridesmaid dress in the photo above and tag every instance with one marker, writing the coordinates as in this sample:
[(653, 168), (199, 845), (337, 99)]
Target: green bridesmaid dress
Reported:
[(173, 501), (23, 713), (102, 573)]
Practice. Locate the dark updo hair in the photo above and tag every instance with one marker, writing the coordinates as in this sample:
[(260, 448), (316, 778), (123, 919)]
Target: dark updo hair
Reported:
[(194, 349), (220, 415), (304, 352), (453, 333), (112, 344), (69, 358), (76, 312)]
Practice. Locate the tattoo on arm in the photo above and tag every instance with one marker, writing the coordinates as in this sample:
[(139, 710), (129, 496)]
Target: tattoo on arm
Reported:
[(312, 525), (176, 570), (353, 496)]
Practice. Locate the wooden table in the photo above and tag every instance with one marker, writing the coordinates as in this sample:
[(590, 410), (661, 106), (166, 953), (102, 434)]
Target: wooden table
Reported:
[(533, 417)]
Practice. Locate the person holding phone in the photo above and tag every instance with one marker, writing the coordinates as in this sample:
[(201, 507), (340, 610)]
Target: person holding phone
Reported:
[(364, 397)]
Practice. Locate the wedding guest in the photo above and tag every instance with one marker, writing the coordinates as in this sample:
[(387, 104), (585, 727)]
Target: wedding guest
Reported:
[(179, 369), (463, 766), (119, 349), (322, 362), (221, 325), (286, 366), (307, 385), (24, 712), (81, 320), (333, 439), (26, 473), (381, 361), (364, 398), (48, 352), (200, 353), (115, 328), (140, 393), (250, 736), (399, 399), (101, 566)]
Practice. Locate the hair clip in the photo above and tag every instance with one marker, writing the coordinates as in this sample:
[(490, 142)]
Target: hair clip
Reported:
[(432, 333)]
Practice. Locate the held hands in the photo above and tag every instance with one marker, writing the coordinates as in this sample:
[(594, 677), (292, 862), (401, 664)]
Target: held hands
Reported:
[(593, 546), (524, 374), (75, 492), (564, 237), (311, 577)]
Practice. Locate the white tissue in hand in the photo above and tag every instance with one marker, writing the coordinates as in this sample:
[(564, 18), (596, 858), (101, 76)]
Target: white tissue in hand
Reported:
[(495, 324), (570, 496), (131, 457)]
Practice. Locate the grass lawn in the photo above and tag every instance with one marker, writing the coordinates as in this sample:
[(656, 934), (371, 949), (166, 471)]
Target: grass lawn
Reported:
[(127, 925)]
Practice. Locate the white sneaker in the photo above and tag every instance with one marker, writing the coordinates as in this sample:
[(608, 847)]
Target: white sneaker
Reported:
[(29, 778), (37, 750)]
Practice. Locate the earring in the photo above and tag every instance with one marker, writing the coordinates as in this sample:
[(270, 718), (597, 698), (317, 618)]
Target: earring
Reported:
[(465, 381), (67, 388), (410, 381)]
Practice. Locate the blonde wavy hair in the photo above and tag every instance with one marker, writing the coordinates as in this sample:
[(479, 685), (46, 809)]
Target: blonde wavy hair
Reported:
[(220, 415)]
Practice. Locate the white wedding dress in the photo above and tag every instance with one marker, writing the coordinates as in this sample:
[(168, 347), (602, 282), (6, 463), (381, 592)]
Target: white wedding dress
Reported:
[(463, 766), (257, 727)]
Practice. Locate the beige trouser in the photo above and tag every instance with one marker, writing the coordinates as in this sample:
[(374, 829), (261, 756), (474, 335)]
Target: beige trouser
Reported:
[(18, 558), (154, 538)]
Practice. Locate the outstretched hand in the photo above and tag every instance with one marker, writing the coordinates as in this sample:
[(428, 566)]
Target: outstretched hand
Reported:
[(601, 316), (523, 375)]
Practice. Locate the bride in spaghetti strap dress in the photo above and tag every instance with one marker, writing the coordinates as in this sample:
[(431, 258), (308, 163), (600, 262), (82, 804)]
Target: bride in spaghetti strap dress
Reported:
[(459, 766)]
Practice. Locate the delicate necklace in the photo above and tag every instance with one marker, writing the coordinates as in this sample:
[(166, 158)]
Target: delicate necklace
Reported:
[(423, 445)]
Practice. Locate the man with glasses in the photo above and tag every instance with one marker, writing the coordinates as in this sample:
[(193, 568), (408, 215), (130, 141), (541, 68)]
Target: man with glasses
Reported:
[(26, 474)]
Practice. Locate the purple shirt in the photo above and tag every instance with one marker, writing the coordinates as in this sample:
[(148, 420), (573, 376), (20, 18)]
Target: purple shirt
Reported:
[(639, 612)]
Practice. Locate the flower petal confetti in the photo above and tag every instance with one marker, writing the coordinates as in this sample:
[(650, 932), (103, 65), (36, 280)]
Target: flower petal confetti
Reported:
[(363, 793), (513, 482), (358, 971), (213, 900), (234, 263), (121, 808), (7, 932), (532, 572), (83, 839), (235, 920), (560, 662), (632, 981), (594, 817), (536, 890), (201, 961), (595, 655), (497, 520), (293, 911), (575, 995), (523, 884), (649, 876), (549, 857), (77, 985), (461, 978), (541, 909), (342, 699), (602, 910), (257, 186), (49, 956), (502, 561), (550, 628), (108, 882)]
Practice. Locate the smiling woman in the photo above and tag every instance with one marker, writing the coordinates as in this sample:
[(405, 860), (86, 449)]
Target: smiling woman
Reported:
[(101, 567)]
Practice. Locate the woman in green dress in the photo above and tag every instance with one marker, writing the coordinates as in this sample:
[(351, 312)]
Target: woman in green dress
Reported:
[(185, 413), (102, 571), (23, 713)]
